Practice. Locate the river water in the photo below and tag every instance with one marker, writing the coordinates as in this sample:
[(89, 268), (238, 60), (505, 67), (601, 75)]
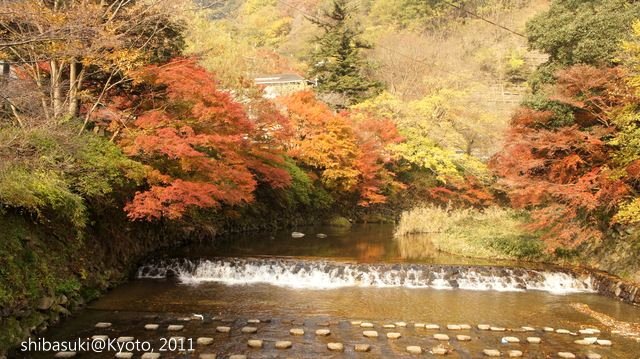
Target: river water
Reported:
[(334, 283)]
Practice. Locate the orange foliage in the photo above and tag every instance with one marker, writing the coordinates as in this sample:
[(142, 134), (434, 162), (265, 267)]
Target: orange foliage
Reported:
[(347, 150), (562, 173), (201, 142)]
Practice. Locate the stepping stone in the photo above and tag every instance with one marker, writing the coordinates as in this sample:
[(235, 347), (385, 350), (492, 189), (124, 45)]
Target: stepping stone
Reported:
[(124, 339), (65, 355), (335, 347), (439, 336), (510, 340), (370, 333), (529, 329), (439, 351), (204, 341), (283, 344), (563, 331), (389, 326), (184, 319), (393, 335), (413, 349), (589, 331), (362, 348), (594, 356), (431, 326), (253, 321), (453, 327), (100, 337), (102, 325), (400, 324), (534, 340), (323, 332), (223, 329), (484, 327), (254, 343), (150, 356), (249, 330), (463, 338), (366, 325), (515, 354), (124, 355), (419, 325), (465, 326), (498, 329), (548, 329), (356, 322), (238, 356), (296, 331), (586, 341), (604, 342), (566, 355), (175, 328), (207, 356), (491, 352), (151, 326)]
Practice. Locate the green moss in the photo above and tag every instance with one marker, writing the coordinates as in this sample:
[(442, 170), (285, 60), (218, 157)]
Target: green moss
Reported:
[(339, 221)]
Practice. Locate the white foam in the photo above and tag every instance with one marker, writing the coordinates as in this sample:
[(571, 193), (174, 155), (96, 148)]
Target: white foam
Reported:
[(330, 275)]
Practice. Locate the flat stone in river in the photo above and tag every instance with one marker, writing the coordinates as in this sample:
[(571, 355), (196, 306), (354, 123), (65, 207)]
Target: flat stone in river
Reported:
[(362, 348), (515, 354), (370, 333), (175, 328), (491, 352), (393, 335), (440, 336), (566, 355), (223, 329), (283, 344), (249, 330), (413, 349), (151, 326), (124, 355), (534, 340), (296, 331), (323, 332), (254, 343), (336, 347), (204, 341)]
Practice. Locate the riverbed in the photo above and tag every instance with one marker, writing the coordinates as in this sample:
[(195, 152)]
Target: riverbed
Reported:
[(274, 283)]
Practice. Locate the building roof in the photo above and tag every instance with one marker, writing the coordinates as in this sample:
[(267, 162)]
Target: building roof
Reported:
[(278, 79)]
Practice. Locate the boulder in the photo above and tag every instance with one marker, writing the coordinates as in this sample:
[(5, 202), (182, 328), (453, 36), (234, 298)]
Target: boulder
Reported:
[(45, 303)]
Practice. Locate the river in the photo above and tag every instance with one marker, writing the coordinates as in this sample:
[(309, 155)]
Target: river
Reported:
[(337, 282)]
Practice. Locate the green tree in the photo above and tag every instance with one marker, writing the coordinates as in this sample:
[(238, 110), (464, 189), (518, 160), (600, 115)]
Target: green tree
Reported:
[(337, 62)]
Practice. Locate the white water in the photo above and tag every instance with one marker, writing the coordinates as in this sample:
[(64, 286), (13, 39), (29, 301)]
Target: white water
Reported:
[(332, 275)]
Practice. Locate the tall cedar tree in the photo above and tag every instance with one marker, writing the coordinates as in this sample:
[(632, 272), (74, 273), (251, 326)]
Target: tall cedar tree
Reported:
[(337, 63)]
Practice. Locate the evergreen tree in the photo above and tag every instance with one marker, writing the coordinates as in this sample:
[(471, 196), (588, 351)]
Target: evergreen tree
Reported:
[(337, 62)]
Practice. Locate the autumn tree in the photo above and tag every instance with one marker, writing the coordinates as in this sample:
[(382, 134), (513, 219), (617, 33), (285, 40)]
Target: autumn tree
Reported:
[(337, 62), (72, 52), (204, 149)]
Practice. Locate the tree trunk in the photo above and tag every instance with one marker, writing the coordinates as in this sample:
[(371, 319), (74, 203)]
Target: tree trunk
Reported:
[(56, 88), (6, 70), (75, 82)]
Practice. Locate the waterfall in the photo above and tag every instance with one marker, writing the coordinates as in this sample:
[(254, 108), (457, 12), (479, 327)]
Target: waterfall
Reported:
[(308, 274)]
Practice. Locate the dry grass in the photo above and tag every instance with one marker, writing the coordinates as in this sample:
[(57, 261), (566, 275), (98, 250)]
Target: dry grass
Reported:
[(490, 233)]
